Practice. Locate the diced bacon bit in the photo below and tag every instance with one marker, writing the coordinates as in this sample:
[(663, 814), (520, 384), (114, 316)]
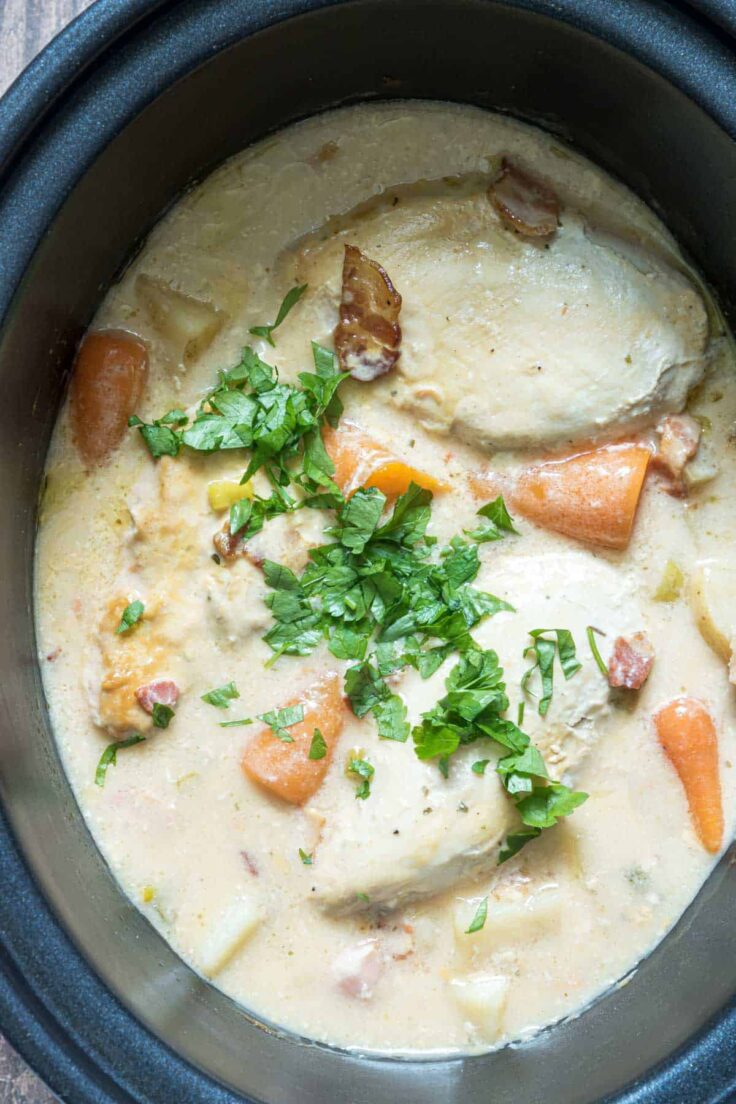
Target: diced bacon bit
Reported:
[(397, 940), (54, 655), (250, 865), (630, 662), (368, 335), (525, 204), (357, 969), (679, 438), (227, 546), (160, 692)]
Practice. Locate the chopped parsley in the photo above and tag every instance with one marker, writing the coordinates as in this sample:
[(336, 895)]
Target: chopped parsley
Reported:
[(235, 724), (478, 921), (363, 770), (364, 898), (318, 747), (161, 714), (591, 631), (222, 696), (306, 859), (278, 423), (499, 522), (109, 756), (479, 766), (130, 616), (543, 652), (473, 709), (280, 720), (290, 300)]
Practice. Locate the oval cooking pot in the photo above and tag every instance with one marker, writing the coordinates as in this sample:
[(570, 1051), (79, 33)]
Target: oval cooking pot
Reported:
[(129, 106)]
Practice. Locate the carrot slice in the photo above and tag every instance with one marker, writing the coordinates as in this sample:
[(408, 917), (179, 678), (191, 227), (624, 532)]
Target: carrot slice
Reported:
[(592, 497), (362, 462), (285, 768), (109, 376), (688, 736)]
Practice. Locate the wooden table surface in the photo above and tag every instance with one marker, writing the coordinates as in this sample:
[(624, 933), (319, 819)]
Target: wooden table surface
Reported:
[(25, 28)]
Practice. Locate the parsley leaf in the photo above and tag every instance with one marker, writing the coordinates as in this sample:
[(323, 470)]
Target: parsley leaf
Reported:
[(318, 747), (601, 663), (109, 756), (543, 652), (282, 719), (290, 300), (161, 439), (500, 522), (306, 859), (222, 696), (479, 766), (478, 921), (363, 770), (130, 616), (391, 719), (161, 714), (359, 519), (235, 724)]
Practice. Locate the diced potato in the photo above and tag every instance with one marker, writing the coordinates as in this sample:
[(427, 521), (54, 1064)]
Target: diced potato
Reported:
[(189, 325), (224, 493), (482, 999), (508, 922), (228, 934), (713, 601)]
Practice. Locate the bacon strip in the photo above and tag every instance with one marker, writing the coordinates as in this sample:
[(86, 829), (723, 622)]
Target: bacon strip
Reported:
[(525, 204), (368, 335), (679, 438), (159, 692), (630, 662)]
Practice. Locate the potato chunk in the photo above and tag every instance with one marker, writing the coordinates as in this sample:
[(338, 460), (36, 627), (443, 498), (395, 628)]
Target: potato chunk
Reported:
[(189, 325), (228, 934), (482, 998)]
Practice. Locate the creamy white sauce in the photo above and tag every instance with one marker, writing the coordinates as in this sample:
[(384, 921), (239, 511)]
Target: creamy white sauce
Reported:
[(181, 826)]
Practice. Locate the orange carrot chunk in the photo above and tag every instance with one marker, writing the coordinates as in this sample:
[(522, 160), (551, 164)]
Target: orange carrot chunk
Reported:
[(109, 376), (592, 497), (362, 462), (686, 732), (286, 768)]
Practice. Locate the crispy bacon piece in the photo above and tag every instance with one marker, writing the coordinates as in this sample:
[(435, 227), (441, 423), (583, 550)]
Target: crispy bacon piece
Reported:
[(525, 204), (679, 438), (368, 335), (227, 546), (160, 692), (357, 969), (630, 662), (249, 863)]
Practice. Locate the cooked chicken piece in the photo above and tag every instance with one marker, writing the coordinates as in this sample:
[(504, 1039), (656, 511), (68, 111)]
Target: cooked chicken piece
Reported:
[(418, 833), (525, 203), (508, 342), (631, 661), (368, 335)]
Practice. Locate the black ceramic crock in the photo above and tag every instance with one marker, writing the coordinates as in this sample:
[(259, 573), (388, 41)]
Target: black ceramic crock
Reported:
[(128, 107)]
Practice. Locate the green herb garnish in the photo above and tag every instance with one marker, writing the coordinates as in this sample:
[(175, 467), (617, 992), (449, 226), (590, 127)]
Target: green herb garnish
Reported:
[(499, 522), (591, 631), (479, 919), (109, 756), (235, 724), (363, 770), (479, 766), (306, 859), (161, 714), (278, 423), (130, 616), (318, 747), (222, 696), (290, 300), (280, 720), (543, 652)]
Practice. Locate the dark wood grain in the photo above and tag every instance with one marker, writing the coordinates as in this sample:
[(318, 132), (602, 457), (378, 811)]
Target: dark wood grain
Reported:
[(25, 28)]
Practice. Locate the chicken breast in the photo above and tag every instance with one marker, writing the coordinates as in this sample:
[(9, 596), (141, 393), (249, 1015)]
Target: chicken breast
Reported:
[(508, 341), (418, 833)]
